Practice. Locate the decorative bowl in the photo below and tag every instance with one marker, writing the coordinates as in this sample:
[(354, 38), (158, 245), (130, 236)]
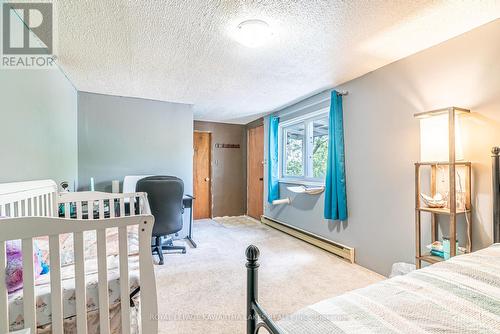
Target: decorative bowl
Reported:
[(434, 202)]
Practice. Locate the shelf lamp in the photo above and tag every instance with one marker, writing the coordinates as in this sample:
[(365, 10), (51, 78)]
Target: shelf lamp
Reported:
[(440, 148), (435, 129)]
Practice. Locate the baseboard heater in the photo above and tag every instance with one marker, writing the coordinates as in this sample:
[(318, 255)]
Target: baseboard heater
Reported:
[(344, 252)]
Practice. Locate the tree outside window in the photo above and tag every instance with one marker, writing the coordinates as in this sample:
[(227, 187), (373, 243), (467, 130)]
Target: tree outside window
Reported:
[(304, 148)]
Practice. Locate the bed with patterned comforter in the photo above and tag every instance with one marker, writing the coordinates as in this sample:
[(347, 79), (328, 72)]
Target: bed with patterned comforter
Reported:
[(461, 295)]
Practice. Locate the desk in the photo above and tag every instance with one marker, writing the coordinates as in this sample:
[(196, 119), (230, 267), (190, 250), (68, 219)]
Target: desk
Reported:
[(187, 201)]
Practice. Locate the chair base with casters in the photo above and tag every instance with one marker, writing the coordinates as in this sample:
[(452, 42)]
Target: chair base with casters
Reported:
[(160, 246)]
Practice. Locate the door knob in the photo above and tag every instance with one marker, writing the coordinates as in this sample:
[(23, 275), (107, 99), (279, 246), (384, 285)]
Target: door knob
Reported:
[(207, 179), (261, 179)]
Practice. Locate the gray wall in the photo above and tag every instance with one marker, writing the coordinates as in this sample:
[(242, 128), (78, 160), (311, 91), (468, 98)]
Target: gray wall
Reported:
[(38, 126), (229, 165), (119, 136), (382, 143)]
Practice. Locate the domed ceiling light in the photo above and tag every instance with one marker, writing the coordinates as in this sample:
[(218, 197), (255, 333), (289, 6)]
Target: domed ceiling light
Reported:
[(253, 33)]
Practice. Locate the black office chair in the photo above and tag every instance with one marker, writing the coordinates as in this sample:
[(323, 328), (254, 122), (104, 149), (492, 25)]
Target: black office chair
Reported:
[(165, 200)]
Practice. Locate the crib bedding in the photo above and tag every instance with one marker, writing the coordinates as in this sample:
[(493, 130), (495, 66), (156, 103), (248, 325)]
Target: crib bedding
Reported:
[(461, 295), (43, 302), (93, 321)]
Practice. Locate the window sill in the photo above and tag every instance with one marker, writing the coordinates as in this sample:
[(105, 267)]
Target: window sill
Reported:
[(302, 182)]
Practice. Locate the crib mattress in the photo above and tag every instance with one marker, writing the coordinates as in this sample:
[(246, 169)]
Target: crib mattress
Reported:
[(461, 295), (43, 302)]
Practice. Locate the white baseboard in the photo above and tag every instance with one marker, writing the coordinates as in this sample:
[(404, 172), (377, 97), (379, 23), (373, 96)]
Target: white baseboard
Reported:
[(343, 251)]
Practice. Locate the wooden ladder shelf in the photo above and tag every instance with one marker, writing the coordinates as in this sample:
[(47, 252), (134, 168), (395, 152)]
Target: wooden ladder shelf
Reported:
[(451, 211)]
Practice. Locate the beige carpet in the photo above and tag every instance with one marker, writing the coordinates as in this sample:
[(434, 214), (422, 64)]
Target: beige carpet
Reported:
[(203, 291)]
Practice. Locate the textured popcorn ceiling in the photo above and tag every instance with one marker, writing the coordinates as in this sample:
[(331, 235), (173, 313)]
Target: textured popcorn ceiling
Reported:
[(182, 51)]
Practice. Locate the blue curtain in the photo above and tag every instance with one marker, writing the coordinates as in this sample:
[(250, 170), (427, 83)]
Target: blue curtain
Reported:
[(335, 190), (273, 190)]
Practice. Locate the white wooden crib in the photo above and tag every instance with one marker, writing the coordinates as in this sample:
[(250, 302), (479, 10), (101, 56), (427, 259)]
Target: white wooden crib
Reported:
[(32, 209)]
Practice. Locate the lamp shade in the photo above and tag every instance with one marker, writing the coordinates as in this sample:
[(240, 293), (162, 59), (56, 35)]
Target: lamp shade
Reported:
[(434, 138)]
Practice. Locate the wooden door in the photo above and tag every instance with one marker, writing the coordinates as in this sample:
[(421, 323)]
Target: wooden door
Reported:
[(255, 190), (202, 176)]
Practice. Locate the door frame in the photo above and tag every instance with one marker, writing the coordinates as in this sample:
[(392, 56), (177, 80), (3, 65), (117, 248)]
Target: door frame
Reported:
[(259, 124), (210, 172)]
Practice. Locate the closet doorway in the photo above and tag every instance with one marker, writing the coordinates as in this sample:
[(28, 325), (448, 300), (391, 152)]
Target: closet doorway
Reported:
[(202, 176), (255, 178)]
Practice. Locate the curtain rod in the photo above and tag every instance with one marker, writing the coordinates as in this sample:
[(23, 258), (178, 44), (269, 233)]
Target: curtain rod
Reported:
[(283, 113)]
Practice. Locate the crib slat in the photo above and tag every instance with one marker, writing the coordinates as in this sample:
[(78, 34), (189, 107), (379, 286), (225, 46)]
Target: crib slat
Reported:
[(42, 198), (101, 209), (18, 209), (40, 206), (112, 208), (147, 275), (140, 205), (29, 305), (49, 205), (4, 308), (90, 209), (53, 213), (79, 212), (13, 209), (122, 207), (132, 206), (124, 280), (80, 284), (55, 285), (103, 282), (67, 210), (46, 204), (26, 208), (55, 205), (32, 209), (2, 210)]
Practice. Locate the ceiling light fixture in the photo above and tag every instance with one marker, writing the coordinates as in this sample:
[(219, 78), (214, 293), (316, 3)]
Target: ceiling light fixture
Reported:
[(253, 33)]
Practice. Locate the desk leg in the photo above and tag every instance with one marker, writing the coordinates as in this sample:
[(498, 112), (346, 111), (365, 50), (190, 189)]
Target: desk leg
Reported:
[(190, 235)]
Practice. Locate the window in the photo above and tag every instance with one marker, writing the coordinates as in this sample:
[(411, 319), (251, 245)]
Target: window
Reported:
[(294, 148), (304, 147), (320, 148)]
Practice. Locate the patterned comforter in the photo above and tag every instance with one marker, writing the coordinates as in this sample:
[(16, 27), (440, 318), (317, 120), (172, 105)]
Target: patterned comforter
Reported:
[(461, 295)]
